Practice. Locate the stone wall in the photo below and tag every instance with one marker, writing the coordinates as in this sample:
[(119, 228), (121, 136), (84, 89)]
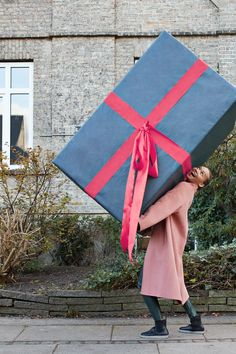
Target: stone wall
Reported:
[(81, 49), (72, 303)]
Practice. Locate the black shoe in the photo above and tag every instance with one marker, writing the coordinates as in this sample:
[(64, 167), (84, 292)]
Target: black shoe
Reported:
[(195, 326), (159, 331)]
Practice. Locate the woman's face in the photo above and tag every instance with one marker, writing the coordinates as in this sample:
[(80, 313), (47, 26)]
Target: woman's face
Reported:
[(199, 175)]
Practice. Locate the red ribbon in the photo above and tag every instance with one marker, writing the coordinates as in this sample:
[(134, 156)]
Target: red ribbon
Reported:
[(143, 163)]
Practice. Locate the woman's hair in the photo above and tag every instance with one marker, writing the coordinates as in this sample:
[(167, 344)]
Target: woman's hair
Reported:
[(209, 179)]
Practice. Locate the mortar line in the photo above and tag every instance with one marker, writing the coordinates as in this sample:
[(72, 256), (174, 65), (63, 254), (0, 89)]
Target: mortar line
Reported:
[(118, 341), (56, 346), (91, 324), (158, 350), (112, 329), (215, 5), (24, 327), (123, 35)]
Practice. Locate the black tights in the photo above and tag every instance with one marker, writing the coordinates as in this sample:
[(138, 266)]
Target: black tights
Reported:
[(153, 306), (155, 310)]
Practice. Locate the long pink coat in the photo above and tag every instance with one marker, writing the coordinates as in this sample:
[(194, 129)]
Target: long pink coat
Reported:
[(163, 267)]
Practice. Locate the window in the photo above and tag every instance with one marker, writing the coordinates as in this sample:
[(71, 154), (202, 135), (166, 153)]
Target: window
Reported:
[(16, 109)]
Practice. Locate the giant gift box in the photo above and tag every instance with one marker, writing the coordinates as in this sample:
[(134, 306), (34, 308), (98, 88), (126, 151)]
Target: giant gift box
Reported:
[(170, 103)]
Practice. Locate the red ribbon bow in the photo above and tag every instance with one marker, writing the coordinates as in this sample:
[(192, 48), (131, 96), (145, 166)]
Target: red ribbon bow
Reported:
[(143, 164)]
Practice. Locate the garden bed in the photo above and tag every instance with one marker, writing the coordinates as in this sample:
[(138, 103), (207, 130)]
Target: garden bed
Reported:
[(49, 278)]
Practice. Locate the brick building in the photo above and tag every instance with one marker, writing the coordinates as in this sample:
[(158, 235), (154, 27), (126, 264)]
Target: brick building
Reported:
[(59, 59)]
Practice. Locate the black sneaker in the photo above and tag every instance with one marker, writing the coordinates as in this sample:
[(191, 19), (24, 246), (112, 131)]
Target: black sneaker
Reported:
[(194, 327), (159, 331)]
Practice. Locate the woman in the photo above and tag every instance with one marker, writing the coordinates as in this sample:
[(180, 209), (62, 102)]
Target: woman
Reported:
[(162, 274)]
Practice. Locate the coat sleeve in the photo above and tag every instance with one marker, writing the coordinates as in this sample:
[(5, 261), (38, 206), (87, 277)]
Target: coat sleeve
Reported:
[(165, 206)]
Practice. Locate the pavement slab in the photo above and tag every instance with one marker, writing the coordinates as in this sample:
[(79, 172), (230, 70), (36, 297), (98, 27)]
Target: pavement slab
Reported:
[(65, 333), (17, 348), (9, 333), (197, 348), (222, 331), (149, 348)]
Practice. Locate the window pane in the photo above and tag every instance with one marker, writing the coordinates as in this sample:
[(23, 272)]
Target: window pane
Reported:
[(2, 77), (1, 115), (19, 115), (19, 77)]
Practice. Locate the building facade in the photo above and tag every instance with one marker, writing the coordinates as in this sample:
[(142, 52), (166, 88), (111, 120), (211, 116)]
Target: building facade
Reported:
[(60, 58)]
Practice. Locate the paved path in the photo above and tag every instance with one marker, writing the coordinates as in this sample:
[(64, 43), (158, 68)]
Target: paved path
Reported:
[(113, 336)]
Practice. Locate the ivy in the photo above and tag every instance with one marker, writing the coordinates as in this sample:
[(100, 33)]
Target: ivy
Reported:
[(212, 215)]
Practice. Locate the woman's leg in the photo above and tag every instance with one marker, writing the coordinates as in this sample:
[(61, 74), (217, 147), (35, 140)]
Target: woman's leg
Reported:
[(159, 330), (190, 309), (153, 307)]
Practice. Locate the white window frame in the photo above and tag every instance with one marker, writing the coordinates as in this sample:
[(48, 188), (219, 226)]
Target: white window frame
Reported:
[(6, 93)]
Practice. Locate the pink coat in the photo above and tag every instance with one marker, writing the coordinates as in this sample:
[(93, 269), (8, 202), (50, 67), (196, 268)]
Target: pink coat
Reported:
[(163, 267)]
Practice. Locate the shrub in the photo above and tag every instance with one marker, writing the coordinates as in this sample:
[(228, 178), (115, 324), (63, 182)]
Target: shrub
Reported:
[(116, 273), (31, 198), (214, 268), (74, 239), (212, 215), (83, 240), (18, 244)]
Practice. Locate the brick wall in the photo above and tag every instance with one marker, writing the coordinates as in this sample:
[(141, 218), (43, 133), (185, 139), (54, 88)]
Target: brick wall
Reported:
[(87, 16), (81, 49), (25, 18), (82, 73), (148, 16)]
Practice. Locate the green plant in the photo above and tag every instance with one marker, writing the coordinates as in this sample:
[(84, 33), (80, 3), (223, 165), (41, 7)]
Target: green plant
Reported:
[(32, 266), (212, 215), (73, 237), (116, 273), (83, 240), (214, 268)]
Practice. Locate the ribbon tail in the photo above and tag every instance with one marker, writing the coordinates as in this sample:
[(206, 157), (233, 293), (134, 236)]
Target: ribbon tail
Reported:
[(128, 201), (126, 212), (139, 190)]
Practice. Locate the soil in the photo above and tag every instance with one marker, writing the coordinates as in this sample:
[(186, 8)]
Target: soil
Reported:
[(50, 278)]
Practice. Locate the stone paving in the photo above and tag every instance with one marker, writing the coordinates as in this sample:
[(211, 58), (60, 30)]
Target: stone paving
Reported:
[(113, 336)]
